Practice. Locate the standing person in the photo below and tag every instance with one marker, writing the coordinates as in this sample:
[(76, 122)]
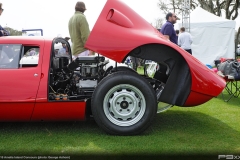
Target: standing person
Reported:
[(79, 31), (3, 32), (168, 28), (177, 33), (185, 40)]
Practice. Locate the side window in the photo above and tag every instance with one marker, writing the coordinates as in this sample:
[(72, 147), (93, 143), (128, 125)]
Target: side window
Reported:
[(9, 56), (61, 53), (30, 56)]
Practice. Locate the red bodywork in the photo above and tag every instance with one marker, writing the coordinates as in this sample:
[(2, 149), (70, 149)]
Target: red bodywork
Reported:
[(118, 31), (24, 97)]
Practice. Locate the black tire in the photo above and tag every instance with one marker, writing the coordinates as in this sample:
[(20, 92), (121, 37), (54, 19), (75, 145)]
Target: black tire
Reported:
[(123, 68), (124, 103), (117, 69)]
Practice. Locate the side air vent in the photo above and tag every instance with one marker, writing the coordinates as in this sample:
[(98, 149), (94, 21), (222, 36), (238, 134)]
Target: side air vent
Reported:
[(118, 18)]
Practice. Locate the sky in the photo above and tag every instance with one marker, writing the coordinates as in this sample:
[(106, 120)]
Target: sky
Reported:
[(53, 15)]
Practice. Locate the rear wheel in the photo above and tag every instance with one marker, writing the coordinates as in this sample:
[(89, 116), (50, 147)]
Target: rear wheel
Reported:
[(124, 103), (123, 68)]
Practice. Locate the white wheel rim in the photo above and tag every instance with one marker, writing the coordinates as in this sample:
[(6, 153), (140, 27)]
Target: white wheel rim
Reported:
[(124, 105)]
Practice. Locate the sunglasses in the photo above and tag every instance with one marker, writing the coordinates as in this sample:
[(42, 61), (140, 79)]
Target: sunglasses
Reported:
[(2, 9)]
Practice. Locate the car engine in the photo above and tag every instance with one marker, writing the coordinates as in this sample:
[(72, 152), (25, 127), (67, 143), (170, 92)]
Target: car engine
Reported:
[(76, 80)]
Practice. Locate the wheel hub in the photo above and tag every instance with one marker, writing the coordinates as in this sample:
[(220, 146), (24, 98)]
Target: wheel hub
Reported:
[(124, 105)]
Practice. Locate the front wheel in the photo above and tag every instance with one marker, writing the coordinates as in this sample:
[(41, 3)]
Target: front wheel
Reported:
[(124, 103)]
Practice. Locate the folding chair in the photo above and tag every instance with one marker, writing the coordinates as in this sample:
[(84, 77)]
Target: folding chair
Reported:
[(232, 88)]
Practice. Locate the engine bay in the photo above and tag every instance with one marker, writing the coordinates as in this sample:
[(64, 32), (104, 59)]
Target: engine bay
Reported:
[(75, 80)]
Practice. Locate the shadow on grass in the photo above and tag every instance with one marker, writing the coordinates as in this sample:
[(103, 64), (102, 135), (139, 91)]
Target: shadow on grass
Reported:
[(172, 133)]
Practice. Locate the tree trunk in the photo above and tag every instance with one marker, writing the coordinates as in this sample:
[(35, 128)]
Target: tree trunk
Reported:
[(207, 5), (237, 41)]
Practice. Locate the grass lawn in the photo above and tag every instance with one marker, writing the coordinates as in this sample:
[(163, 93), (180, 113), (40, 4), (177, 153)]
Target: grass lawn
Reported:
[(212, 128)]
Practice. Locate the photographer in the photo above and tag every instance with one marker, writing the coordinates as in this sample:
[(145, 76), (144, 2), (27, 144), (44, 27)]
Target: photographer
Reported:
[(3, 32)]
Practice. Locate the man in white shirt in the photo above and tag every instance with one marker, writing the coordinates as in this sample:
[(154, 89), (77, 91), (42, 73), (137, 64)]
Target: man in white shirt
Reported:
[(185, 40), (4, 58), (63, 50)]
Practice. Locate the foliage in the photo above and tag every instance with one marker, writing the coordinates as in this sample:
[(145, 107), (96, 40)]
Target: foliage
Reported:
[(230, 7), (13, 32), (158, 23), (174, 6)]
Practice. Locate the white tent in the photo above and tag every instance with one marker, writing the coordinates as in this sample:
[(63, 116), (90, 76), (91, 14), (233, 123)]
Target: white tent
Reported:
[(213, 36)]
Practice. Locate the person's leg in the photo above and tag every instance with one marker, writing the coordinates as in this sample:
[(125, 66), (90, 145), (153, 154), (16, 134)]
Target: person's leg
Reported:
[(138, 62), (85, 53), (134, 63), (189, 51)]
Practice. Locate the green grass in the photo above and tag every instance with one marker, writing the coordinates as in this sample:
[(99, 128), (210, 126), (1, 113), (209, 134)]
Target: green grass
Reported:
[(211, 128)]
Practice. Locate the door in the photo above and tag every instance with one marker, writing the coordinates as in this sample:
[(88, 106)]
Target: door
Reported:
[(45, 108), (20, 75)]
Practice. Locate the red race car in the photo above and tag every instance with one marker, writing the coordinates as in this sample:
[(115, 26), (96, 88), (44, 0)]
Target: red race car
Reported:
[(39, 82)]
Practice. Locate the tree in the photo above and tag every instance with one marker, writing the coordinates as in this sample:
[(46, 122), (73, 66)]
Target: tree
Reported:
[(230, 7), (13, 32), (216, 6), (174, 6), (158, 23)]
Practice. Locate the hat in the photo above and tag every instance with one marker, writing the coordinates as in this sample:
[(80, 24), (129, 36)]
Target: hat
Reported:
[(80, 6)]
